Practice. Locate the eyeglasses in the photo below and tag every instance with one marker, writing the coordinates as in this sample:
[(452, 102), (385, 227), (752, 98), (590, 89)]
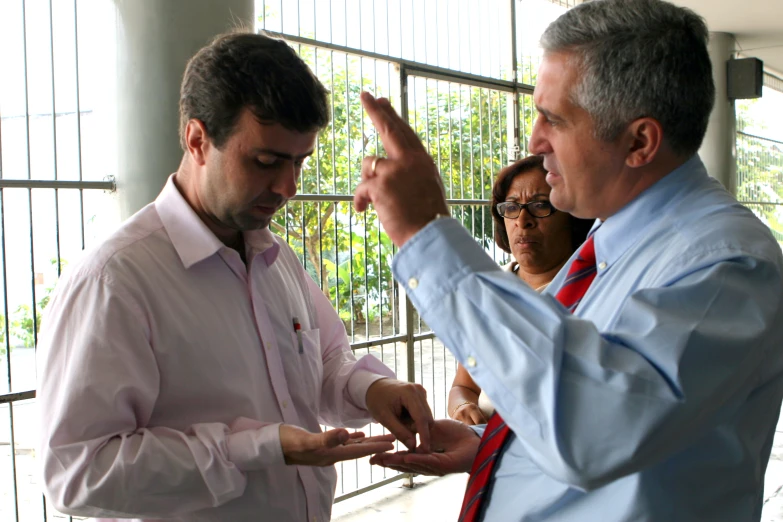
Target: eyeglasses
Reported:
[(512, 209)]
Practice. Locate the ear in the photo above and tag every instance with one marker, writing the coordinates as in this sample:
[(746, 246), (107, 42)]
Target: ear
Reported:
[(646, 137), (197, 141)]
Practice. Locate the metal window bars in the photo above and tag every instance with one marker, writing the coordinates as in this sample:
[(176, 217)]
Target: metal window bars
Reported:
[(449, 66)]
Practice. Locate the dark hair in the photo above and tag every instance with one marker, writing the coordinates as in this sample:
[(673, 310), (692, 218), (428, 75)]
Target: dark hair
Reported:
[(503, 181), (247, 70), (639, 58)]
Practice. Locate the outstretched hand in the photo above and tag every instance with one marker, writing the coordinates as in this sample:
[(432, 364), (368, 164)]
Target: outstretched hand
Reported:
[(405, 187), (324, 449), (454, 446)]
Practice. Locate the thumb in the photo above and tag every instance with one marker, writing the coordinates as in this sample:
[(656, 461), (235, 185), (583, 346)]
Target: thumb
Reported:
[(334, 438)]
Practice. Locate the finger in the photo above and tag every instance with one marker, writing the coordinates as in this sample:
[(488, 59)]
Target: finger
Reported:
[(389, 437), (393, 137), (477, 417), (367, 171), (357, 451), (334, 438), (398, 429), (386, 459), (356, 435), (411, 138), (421, 414), (362, 197)]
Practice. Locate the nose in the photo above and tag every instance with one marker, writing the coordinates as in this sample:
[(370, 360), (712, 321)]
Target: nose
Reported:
[(526, 219), (285, 181), (538, 143)]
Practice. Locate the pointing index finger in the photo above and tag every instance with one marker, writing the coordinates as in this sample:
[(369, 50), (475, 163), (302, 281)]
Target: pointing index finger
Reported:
[(394, 132)]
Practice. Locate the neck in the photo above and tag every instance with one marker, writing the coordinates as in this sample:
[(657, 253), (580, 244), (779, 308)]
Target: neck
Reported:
[(185, 179), (539, 279), (642, 178)]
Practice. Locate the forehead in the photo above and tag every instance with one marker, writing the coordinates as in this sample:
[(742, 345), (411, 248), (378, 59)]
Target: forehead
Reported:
[(528, 183), (557, 75), (250, 134)]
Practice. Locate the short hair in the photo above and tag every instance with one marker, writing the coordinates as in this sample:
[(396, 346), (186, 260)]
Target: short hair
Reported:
[(503, 181), (241, 70), (639, 58)]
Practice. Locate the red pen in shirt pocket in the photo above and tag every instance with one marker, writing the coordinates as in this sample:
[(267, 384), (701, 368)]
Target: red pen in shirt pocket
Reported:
[(298, 331)]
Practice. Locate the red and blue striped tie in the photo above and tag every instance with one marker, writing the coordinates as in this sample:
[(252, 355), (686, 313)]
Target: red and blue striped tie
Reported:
[(580, 274)]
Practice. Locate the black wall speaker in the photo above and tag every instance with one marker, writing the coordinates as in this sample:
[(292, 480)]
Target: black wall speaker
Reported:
[(745, 78)]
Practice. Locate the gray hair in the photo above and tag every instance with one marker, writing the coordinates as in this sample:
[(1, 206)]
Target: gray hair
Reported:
[(639, 58)]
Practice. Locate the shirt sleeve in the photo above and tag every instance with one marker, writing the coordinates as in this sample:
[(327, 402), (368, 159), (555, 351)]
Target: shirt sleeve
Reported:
[(345, 380), (590, 406), (98, 383)]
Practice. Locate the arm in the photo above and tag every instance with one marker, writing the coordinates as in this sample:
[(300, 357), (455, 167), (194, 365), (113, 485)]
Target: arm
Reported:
[(463, 399), (98, 383), (592, 406)]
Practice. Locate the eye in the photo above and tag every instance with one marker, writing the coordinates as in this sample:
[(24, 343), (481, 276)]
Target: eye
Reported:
[(266, 162), (511, 207), (540, 205)]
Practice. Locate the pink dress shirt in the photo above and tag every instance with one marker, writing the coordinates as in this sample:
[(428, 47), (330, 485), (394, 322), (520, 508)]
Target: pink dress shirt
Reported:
[(166, 366)]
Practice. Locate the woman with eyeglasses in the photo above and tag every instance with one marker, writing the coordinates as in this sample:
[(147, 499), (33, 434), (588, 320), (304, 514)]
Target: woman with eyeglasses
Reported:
[(539, 237)]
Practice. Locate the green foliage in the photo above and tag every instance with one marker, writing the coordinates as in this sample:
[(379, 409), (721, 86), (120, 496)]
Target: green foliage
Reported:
[(759, 170), (23, 326), (348, 254)]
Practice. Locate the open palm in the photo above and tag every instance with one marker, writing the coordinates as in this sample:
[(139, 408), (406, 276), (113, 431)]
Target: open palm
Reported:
[(454, 447)]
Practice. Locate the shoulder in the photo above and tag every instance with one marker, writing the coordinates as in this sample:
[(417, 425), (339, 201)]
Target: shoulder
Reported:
[(139, 237)]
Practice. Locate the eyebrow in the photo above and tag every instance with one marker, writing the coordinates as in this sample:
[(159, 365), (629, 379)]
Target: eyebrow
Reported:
[(549, 115), (534, 196), (282, 155)]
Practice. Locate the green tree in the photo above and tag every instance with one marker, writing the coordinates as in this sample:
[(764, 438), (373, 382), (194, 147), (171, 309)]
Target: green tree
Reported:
[(348, 254), (759, 168)]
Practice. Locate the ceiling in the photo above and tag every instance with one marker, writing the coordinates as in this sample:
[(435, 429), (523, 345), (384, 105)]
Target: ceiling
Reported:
[(757, 26)]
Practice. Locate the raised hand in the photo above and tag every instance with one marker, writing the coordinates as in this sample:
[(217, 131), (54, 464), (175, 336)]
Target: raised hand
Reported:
[(454, 447), (405, 187), (324, 449)]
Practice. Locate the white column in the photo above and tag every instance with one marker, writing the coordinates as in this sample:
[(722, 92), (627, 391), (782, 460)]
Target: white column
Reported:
[(155, 39), (718, 149)]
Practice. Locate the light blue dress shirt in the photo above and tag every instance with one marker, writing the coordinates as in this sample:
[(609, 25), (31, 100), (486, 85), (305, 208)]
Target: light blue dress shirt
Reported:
[(657, 399)]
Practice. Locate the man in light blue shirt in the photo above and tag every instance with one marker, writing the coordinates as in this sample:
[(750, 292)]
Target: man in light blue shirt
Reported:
[(657, 399)]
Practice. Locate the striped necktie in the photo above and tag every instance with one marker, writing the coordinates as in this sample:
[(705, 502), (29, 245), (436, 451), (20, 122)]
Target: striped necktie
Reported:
[(580, 274)]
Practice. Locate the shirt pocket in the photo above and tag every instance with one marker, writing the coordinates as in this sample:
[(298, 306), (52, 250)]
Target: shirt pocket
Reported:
[(311, 366)]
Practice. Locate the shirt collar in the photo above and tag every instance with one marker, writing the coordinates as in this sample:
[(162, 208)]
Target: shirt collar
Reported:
[(619, 232), (193, 240)]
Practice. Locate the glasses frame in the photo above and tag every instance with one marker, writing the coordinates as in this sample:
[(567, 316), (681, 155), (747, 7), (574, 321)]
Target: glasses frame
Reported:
[(523, 206)]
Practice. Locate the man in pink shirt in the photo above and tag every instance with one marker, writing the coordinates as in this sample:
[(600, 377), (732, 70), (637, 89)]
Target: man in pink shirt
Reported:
[(187, 363)]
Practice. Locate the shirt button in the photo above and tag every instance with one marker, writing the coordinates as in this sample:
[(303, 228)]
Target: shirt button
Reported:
[(602, 265), (413, 283), (471, 361), (285, 404)]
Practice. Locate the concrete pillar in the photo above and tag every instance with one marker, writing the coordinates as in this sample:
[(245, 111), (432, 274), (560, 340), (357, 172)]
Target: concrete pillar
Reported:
[(155, 39), (718, 149)]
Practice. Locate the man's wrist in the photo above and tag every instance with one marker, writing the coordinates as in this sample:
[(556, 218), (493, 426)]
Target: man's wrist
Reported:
[(436, 217)]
